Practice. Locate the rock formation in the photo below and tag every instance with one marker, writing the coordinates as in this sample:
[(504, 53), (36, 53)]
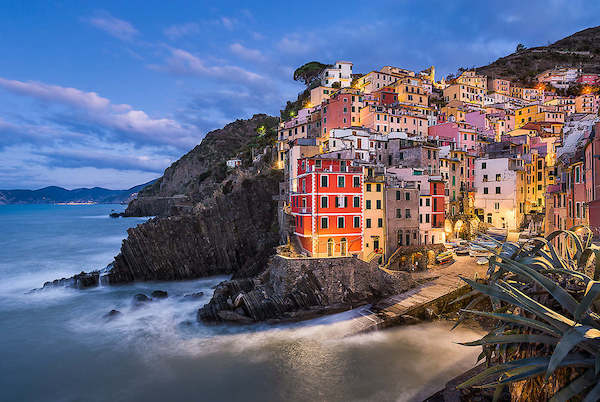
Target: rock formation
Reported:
[(302, 288)]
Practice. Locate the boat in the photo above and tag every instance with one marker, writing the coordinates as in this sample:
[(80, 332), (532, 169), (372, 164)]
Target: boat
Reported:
[(462, 250), (477, 251), (445, 257), (483, 261), (449, 245)]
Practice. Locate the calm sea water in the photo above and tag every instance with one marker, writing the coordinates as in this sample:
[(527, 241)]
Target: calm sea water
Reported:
[(57, 346)]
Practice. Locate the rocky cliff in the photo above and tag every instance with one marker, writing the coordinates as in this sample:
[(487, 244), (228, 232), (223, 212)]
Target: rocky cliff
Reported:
[(302, 288), (202, 171), (232, 233)]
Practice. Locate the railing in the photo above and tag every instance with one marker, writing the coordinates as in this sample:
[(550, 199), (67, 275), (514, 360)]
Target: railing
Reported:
[(336, 169), (305, 210)]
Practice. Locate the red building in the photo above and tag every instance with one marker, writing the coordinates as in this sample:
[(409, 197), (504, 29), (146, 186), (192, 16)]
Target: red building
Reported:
[(588, 79), (327, 208), (386, 96), (342, 110), (438, 202)]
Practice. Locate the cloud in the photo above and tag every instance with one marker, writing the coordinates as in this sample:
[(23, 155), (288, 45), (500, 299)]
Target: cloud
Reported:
[(177, 31), (89, 109), (246, 53), (120, 29), (294, 45), (228, 23), (183, 62)]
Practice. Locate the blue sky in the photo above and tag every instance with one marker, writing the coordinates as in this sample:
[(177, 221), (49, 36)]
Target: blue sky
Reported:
[(111, 93)]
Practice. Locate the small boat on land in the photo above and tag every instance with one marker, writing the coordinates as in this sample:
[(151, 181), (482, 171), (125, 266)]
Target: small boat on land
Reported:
[(483, 261), (462, 250), (445, 258)]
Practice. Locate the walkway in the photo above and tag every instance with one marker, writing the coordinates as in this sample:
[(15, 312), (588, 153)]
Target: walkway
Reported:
[(441, 284)]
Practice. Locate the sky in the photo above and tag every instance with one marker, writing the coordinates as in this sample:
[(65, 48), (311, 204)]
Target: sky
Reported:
[(110, 93)]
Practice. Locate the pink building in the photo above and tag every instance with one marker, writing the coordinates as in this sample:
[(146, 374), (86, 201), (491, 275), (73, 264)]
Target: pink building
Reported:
[(588, 79), (462, 134)]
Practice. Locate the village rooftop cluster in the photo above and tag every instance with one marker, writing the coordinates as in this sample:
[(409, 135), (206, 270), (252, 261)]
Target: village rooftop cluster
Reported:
[(393, 158)]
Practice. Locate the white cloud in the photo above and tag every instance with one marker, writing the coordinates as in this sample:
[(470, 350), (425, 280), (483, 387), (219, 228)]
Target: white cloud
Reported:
[(101, 111), (228, 22), (113, 26), (294, 45), (177, 31), (246, 53)]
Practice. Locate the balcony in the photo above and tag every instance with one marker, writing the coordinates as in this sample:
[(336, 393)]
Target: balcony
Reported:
[(336, 169), (305, 210)]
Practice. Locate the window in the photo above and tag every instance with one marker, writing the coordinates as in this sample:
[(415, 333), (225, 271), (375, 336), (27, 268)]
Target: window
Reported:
[(427, 202), (356, 202), (356, 181), (485, 190), (407, 213), (378, 203), (497, 190), (485, 177), (368, 222), (323, 180), (483, 165), (368, 186), (420, 218), (407, 196), (496, 205), (341, 181), (356, 221), (426, 218), (324, 202), (324, 223), (340, 222), (397, 195), (498, 177), (398, 213), (379, 187), (368, 204)]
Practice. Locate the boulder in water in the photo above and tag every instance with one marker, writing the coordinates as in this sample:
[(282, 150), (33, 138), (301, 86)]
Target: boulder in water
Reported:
[(159, 294), (140, 298), (112, 314), (193, 296)]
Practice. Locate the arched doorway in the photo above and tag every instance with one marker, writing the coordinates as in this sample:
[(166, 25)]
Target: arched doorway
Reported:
[(343, 247), (330, 248)]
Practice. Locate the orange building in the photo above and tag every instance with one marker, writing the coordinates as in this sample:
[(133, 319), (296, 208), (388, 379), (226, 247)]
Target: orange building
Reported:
[(328, 206)]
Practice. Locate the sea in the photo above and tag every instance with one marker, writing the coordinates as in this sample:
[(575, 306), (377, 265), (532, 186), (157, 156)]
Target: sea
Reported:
[(58, 344)]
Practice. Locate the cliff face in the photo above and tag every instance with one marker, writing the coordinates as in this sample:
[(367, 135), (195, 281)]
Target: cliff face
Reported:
[(229, 233), (197, 174)]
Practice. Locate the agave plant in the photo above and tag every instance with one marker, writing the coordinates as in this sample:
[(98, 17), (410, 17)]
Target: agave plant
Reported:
[(547, 327)]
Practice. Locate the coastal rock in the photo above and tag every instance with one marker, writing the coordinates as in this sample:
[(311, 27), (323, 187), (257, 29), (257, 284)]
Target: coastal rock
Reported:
[(140, 298), (82, 280), (193, 296), (233, 233), (112, 314), (299, 288), (159, 294)]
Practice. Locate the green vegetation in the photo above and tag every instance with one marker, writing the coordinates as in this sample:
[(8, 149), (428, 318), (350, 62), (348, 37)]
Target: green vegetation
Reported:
[(546, 342), (309, 72), (520, 47)]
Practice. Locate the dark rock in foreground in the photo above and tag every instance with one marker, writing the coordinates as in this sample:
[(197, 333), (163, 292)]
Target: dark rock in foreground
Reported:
[(193, 296), (159, 294), (112, 314), (141, 298), (292, 289), (82, 280)]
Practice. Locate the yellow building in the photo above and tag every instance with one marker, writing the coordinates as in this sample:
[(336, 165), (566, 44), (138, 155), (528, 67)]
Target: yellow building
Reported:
[(537, 114), (473, 79), (374, 230), (464, 93), (410, 90)]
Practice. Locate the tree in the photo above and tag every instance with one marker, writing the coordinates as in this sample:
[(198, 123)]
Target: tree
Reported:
[(520, 47), (309, 72), (336, 84)]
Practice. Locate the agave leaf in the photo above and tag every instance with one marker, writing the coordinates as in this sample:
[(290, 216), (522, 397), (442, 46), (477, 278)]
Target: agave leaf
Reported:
[(572, 338), (592, 249), (472, 303), (514, 375), (575, 387), (577, 275), (518, 319), (517, 338), (594, 394), (565, 299), (513, 296), (592, 292), (538, 361)]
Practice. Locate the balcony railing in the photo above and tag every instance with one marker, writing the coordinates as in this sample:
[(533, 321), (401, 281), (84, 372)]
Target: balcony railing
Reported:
[(336, 169), (304, 210)]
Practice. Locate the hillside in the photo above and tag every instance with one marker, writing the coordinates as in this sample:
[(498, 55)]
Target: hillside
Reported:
[(54, 194), (202, 171), (581, 49)]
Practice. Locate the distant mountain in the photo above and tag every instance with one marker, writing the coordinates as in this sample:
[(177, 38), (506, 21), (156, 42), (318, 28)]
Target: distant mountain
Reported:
[(582, 49), (53, 194)]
